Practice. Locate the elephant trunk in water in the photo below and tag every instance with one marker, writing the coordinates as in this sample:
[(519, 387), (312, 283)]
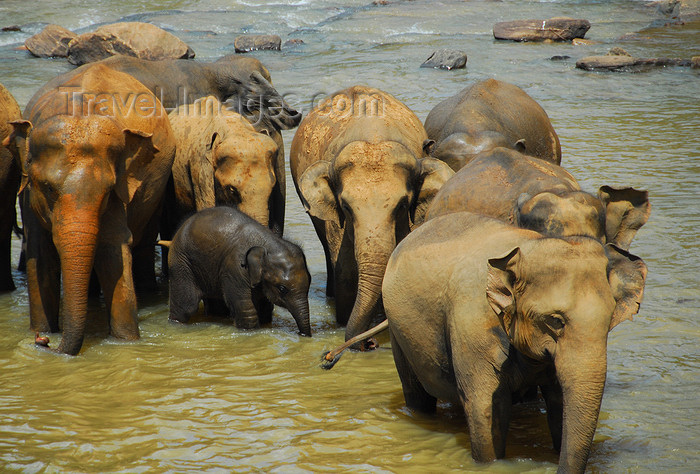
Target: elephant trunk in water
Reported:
[(299, 309), (582, 379), (75, 237)]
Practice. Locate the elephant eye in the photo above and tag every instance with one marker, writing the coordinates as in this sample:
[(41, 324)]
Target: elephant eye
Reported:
[(556, 322), (282, 289)]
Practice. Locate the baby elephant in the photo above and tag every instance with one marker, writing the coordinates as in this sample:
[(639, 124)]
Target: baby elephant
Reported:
[(222, 254)]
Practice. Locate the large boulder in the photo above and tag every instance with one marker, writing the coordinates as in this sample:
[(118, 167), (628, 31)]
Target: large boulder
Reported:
[(446, 59), (141, 40), (51, 42), (245, 43), (554, 29)]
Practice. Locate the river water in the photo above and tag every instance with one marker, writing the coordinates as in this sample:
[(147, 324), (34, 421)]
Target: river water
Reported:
[(206, 396)]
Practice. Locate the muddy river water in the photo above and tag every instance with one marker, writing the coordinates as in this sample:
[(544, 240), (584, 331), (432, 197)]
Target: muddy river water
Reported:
[(209, 397)]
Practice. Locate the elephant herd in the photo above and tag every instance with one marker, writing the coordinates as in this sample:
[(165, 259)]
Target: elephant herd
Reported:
[(497, 274)]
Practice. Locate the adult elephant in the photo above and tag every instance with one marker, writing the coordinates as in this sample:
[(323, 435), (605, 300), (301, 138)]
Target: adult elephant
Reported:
[(222, 160), (486, 115), (533, 194), (9, 183), (481, 312), (358, 167), (97, 161)]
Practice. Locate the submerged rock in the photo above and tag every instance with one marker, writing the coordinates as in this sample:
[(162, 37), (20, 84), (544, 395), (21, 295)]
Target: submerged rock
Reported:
[(51, 42), (11, 28), (246, 43), (616, 51), (141, 40), (446, 59), (554, 29), (622, 63)]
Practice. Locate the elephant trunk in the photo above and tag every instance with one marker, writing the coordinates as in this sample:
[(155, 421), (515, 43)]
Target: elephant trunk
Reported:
[(256, 202), (370, 269), (75, 237), (299, 308), (582, 380)]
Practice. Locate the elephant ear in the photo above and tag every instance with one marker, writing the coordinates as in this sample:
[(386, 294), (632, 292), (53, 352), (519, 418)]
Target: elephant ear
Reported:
[(626, 210), (317, 193), (433, 173), (138, 152), (626, 275), (17, 144), (499, 287), (254, 261)]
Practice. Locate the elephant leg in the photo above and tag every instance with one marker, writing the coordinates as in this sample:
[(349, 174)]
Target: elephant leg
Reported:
[(144, 253), (184, 294), (487, 404), (241, 305), (113, 265), (554, 400), (6, 283), (413, 392), (345, 281), (43, 277), (278, 198), (263, 308), (320, 228)]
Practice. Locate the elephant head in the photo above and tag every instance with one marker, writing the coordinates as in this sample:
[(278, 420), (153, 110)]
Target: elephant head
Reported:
[(75, 170), (614, 216), (375, 193), (252, 95), (284, 279), (460, 148), (243, 170), (562, 316)]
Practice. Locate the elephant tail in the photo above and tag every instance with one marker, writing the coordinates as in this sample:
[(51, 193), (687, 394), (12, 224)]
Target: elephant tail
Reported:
[(165, 243), (330, 358)]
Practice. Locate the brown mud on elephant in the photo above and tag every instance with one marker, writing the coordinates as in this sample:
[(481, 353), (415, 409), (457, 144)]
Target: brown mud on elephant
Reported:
[(222, 160), (9, 184), (358, 166), (533, 194), (486, 115), (481, 312), (96, 150)]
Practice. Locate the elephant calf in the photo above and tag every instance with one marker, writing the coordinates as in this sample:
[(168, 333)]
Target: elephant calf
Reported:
[(486, 115), (481, 312), (541, 196), (222, 254), (222, 160)]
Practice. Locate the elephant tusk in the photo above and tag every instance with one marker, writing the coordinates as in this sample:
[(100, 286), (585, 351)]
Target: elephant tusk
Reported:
[(330, 358), (41, 340), (165, 243)]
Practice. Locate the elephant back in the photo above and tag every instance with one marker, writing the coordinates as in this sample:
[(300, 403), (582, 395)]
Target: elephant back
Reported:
[(9, 111), (492, 182)]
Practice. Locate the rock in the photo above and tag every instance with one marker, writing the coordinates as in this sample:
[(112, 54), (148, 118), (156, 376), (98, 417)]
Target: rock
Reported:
[(246, 43), (446, 59), (141, 40), (11, 28), (582, 42), (623, 63), (51, 42), (293, 42), (559, 58), (695, 62), (555, 29), (618, 52)]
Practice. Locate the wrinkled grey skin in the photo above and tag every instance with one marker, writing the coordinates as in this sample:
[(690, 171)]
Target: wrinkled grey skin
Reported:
[(222, 254), (533, 194), (486, 115), (241, 81), (481, 313)]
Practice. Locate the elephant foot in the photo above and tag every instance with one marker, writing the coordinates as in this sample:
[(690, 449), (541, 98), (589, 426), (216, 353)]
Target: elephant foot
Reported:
[(41, 340)]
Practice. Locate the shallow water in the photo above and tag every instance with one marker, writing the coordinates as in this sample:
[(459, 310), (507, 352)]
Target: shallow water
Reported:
[(207, 396)]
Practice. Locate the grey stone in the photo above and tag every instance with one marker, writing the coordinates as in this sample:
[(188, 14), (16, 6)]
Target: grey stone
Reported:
[(246, 43), (446, 59), (554, 29)]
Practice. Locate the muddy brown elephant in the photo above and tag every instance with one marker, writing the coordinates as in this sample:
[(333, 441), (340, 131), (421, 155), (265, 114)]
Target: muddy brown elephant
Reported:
[(486, 115), (9, 183), (481, 312), (222, 160), (97, 161), (527, 192), (358, 167)]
